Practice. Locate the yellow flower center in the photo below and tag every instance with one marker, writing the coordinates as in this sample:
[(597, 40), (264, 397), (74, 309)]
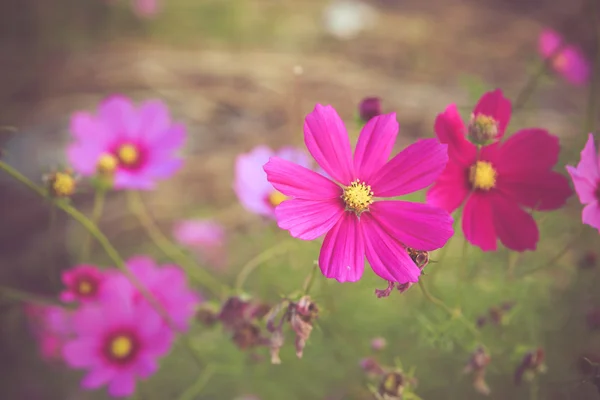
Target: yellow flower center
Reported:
[(63, 184), (482, 175), (483, 129), (276, 198), (107, 164), (121, 346), (128, 154), (358, 196), (85, 287)]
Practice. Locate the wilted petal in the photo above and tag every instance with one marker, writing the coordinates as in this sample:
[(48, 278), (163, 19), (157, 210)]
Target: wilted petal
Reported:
[(300, 182), (375, 145), (387, 256), (494, 104), (516, 229), (308, 219), (416, 225), (342, 255), (414, 168), (478, 222), (327, 140)]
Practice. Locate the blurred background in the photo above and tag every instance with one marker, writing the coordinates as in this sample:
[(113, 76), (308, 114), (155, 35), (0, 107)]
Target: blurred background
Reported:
[(241, 73)]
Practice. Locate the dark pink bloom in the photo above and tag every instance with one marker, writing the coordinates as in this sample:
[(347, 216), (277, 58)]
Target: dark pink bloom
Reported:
[(83, 283), (253, 189), (344, 207), (169, 286), (136, 147), (51, 327), (568, 62), (586, 179), (117, 341), (501, 179)]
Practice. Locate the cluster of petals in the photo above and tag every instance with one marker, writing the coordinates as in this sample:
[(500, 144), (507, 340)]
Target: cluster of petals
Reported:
[(316, 206), (586, 179), (135, 146), (517, 175), (253, 189), (115, 333), (566, 59)]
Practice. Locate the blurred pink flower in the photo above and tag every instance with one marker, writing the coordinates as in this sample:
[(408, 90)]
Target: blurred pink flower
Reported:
[(51, 327), (168, 284), (253, 189), (134, 146), (83, 283), (586, 179), (205, 236), (497, 181), (146, 8), (343, 207), (569, 62), (117, 340)]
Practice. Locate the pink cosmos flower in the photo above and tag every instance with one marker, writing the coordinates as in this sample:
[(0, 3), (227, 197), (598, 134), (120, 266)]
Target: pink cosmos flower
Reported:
[(146, 8), (586, 179), (253, 189), (168, 285), (83, 283), (569, 62), (117, 340), (51, 327), (344, 207), (205, 236), (134, 146), (501, 179)]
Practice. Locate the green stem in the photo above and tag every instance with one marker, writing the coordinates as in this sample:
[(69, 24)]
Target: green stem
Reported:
[(99, 197), (201, 275), (258, 260), (19, 295), (311, 279), (193, 391)]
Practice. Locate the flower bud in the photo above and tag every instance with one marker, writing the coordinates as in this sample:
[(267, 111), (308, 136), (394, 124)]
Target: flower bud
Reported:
[(61, 184), (369, 107), (482, 130)]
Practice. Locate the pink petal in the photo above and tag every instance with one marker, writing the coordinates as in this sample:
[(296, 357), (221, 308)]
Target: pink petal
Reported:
[(516, 229), (146, 366), (308, 219), (122, 385), (548, 42), (451, 188), (294, 155), (300, 182), (387, 256), (88, 319), (168, 140), (342, 255), (527, 150), (154, 120), (414, 168), (98, 377), (160, 343), (543, 191), (125, 179), (591, 215), (118, 115), (577, 68), (251, 185), (494, 104), (451, 130), (84, 158), (87, 129), (81, 353), (164, 168), (327, 141), (416, 225), (478, 221), (375, 145), (588, 167), (586, 190)]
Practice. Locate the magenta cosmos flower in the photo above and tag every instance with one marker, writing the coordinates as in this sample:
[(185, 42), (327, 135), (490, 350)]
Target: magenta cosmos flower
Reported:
[(117, 340), (568, 62), (135, 146), (344, 207), (83, 283), (168, 284), (253, 189), (501, 179), (586, 179)]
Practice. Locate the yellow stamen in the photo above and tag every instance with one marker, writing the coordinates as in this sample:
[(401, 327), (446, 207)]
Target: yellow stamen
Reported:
[(63, 184), (276, 198), (128, 154), (121, 346), (358, 196), (107, 164), (482, 175), (84, 287)]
